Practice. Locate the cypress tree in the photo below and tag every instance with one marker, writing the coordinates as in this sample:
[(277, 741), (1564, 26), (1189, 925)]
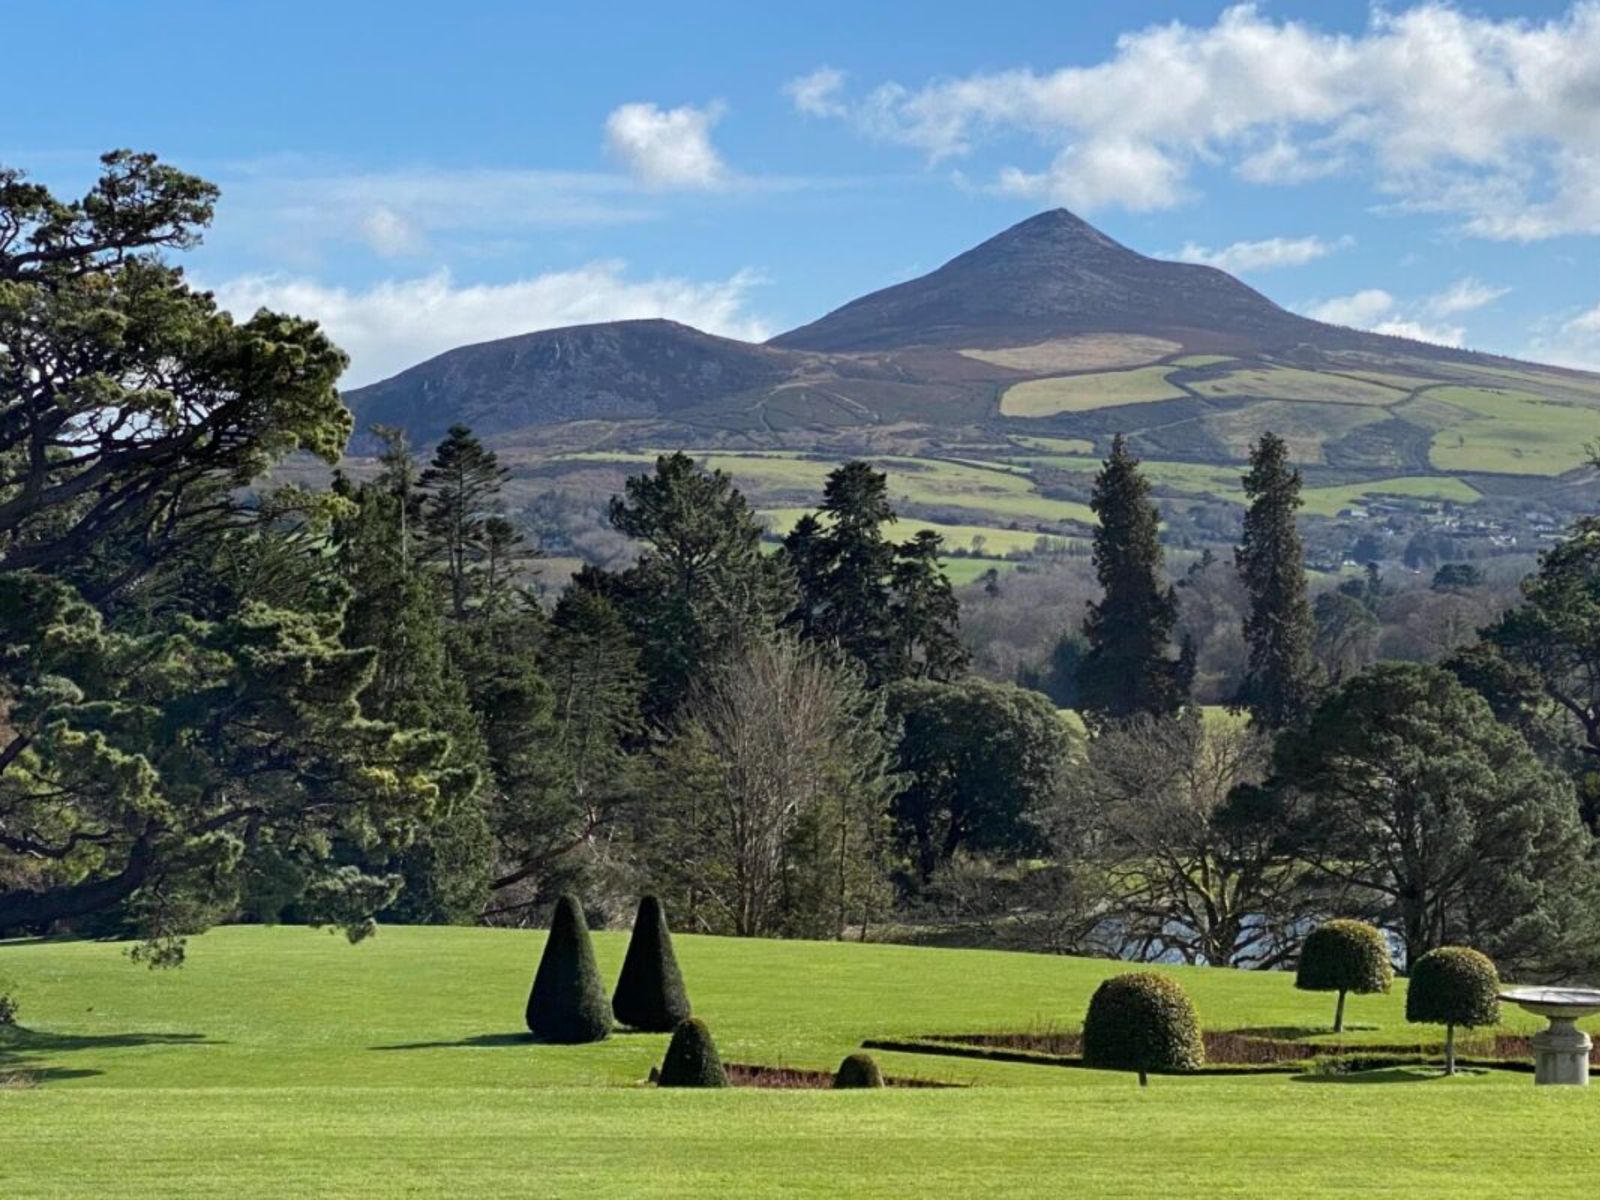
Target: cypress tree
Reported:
[(568, 1001), (650, 993), (692, 1059), (1280, 681), (1127, 669)]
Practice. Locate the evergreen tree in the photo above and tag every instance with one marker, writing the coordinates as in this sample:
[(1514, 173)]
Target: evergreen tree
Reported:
[(854, 600), (1280, 680), (568, 1002), (650, 993), (1127, 669), (924, 614), (461, 489), (701, 584), (692, 1059)]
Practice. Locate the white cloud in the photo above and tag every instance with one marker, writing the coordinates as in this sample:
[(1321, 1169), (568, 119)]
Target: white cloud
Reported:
[(1494, 121), (1266, 255), (1378, 311), (390, 234), (1464, 295), (1440, 335), (396, 324), (1360, 310), (817, 94), (667, 148), (1572, 342)]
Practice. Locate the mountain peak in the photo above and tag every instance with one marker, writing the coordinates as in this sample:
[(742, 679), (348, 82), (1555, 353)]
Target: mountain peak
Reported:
[(1052, 275)]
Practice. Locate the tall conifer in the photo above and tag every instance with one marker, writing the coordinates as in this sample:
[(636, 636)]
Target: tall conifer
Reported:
[(1127, 669), (1280, 678)]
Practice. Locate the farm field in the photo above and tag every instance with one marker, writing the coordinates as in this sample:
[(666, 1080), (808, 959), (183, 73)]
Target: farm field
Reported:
[(1513, 433), (1327, 501), (283, 1062), (1080, 393)]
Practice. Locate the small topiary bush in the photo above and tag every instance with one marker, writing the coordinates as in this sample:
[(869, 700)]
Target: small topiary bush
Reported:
[(1142, 1022), (858, 1071), (1452, 986), (692, 1059), (8, 1004), (568, 1001), (650, 993), (1344, 956)]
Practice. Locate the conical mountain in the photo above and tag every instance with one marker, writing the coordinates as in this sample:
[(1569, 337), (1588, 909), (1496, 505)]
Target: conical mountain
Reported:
[(1053, 275)]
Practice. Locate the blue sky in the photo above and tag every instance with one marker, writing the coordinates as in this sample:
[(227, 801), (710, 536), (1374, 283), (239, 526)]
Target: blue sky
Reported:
[(419, 176)]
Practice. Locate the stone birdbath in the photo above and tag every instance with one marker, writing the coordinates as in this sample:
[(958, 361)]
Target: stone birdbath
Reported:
[(1560, 1053)]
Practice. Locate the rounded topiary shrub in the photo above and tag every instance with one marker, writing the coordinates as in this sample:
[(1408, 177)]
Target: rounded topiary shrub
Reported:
[(650, 993), (692, 1059), (1142, 1022), (1344, 956), (568, 1001), (1452, 986), (858, 1071)]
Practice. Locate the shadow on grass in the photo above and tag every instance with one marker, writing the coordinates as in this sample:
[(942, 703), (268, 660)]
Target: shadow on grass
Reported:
[(1292, 1033), (23, 1051), (1388, 1075), (490, 1041)]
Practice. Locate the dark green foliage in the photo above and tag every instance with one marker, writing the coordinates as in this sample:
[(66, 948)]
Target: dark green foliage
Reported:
[(650, 993), (1452, 986), (568, 1001), (981, 761), (1128, 669), (1457, 577), (692, 1060), (1280, 678), (1344, 956), (1409, 789), (889, 607), (701, 584), (1142, 1022), (460, 524), (858, 1071)]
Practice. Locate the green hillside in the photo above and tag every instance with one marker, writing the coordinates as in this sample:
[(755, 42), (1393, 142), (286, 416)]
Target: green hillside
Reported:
[(283, 1062)]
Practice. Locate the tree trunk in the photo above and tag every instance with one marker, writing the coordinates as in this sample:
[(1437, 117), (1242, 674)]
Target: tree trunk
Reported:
[(1144, 1079), (1338, 1014), (38, 910), (1449, 1049)]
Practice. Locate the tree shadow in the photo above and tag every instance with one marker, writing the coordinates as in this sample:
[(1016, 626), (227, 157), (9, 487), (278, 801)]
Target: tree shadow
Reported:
[(1294, 1033), (479, 1041), (1388, 1075), (24, 1052)]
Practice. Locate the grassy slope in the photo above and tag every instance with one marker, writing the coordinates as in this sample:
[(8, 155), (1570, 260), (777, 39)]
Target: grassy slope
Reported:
[(296, 1065), (1080, 393)]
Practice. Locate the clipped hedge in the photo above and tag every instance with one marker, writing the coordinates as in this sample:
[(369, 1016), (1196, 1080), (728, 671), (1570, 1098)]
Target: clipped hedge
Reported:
[(650, 994), (1344, 956), (1142, 1022), (858, 1071), (568, 1001), (1451, 986), (692, 1060)]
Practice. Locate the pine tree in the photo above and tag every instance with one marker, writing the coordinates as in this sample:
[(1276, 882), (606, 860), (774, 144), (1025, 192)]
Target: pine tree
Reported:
[(461, 489), (650, 993), (1127, 669), (924, 613), (1280, 680), (568, 1002), (855, 594)]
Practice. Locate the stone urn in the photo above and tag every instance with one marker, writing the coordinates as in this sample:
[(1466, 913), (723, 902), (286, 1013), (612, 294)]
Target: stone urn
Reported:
[(1561, 1052)]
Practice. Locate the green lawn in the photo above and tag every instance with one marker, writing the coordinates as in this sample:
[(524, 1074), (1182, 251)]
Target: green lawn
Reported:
[(1328, 501), (283, 1062), (1513, 433)]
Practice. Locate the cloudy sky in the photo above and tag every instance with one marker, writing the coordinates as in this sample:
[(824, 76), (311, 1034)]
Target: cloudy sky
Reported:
[(420, 176)]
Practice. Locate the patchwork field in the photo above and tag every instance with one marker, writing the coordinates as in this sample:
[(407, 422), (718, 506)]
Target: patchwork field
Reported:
[(1079, 393), (1513, 433), (282, 1062)]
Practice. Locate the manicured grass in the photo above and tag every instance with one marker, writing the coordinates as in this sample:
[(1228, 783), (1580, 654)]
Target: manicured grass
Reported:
[(282, 1062), (1080, 393), (1513, 433)]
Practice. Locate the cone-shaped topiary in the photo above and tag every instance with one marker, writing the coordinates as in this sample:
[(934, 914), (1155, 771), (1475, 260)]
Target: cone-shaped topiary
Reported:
[(692, 1059), (650, 991), (568, 1001), (1453, 986), (1142, 1022), (858, 1071), (1344, 956)]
